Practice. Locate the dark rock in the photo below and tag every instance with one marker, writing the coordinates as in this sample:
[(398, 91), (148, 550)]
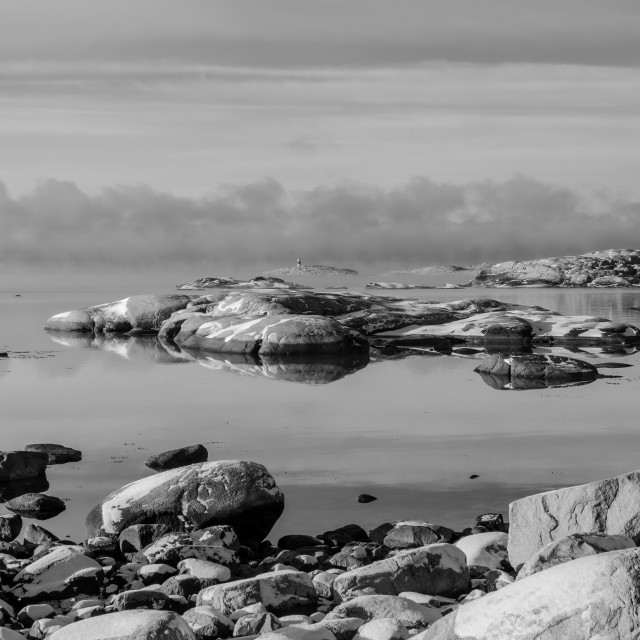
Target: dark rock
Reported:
[(491, 522), (34, 534), (58, 454), (363, 498), (297, 541), (22, 465), (255, 623), (183, 585), (10, 490), (238, 493), (208, 624), (138, 536), (177, 458), (473, 476), (10, 526), (347, 533), (36, 505)]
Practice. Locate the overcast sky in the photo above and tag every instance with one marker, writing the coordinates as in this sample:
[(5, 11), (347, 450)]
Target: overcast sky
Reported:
[(199, 99)]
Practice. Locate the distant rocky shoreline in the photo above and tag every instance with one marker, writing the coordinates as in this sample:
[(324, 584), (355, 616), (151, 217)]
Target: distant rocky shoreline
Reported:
[(182, 555)]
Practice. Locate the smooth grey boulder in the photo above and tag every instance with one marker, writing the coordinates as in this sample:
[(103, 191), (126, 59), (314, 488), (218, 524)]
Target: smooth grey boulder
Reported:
[(22, 465), (36, 505), (588, 598), (58, 453), (281, 592), (375, 607), (577, 545), (175, 458), (239, 493), (133, 314), (609, 506), (128, 625), (436, 569)]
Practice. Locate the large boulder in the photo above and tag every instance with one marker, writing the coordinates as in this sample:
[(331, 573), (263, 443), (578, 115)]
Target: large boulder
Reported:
[(609, 506), (550, 368), (128, 625), (133, 314), (175, 458), (58, 453), (588, 598), (235, 492), (577, 545), (283, 335), (437, 569), (22, 465), (281, 592)]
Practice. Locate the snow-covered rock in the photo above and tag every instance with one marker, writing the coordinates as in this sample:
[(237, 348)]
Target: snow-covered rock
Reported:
[(485, 549)]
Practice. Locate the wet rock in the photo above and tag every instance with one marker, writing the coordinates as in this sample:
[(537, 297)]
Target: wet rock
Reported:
[(281, 592), (364, 498), (208, 623), (36, 505), (58, 453), (591, 597), (127, 625), (486, 549), (577, 545), (10, 526), (56, 574), (238, 493), (436, 569), (177, 458), (133, 314), (376, 607), (607, 506), (17, 488), (22, 465), (347, 533)]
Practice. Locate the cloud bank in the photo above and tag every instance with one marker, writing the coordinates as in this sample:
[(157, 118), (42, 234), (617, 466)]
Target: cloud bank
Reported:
[(418, 223)]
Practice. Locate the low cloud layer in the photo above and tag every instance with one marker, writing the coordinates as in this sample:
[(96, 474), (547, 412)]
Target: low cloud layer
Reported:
[(418, 223)]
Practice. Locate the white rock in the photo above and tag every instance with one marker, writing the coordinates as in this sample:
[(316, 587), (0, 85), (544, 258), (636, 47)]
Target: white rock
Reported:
[(485, 549), (382, 629), (204, 570)]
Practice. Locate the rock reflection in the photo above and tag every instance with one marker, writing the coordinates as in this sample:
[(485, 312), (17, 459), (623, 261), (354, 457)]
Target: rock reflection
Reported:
[(17, 488), (317, 370), (505, 383)]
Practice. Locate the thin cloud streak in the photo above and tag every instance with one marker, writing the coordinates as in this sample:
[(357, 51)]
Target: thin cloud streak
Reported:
[(420, 222)]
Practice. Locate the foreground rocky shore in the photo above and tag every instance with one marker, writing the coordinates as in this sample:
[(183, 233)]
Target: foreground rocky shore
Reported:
[(182, 555)]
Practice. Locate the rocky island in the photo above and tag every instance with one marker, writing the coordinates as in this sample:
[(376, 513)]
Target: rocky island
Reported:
[(612, 268)]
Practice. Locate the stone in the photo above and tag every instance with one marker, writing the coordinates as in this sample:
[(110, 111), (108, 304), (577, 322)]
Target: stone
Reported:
[(323, 584), (131, 315), (128, 625), (207, 623), (436, 569), (209, 573), (342, 628), (486, 549), (10, 526), (491, 522), (35, 534), (58, 453), (174, 547), (351, 556), (303, 632), (364, 498), (607, 506), (409, 532), (52, 575), (181, 585), (347, 533), (255, 624), (138, 536), (590, 597), (382, 629), (496, 579), (36, 505), (22, 465), (550, 368), (238, 493), (375, 607), (177, 458), (154, 573), (9, 634), (144, 599), (259, 282), (32, 612), (577, 545), (281, 592), (286, 621)]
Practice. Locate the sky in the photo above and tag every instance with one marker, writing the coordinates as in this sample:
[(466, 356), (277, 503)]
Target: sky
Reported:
[(414, 131)]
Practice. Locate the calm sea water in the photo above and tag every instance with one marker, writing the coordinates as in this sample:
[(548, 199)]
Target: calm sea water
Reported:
[(408, 431)]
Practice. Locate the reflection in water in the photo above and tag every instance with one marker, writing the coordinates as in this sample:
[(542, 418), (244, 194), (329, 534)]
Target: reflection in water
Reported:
[(11, 490), (505, 383), (317, 370)]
